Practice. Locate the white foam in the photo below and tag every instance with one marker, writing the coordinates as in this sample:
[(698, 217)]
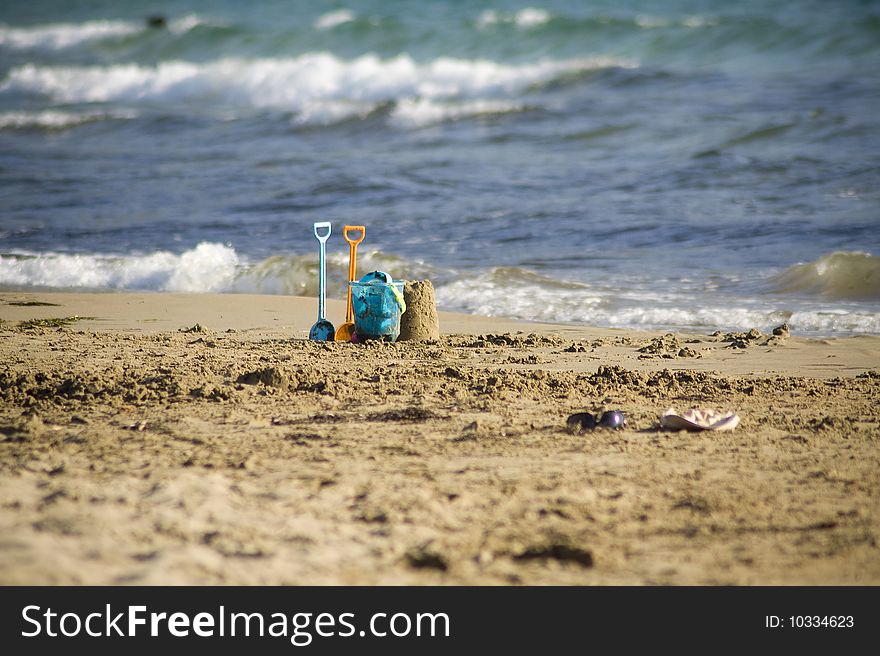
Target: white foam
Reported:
[(58, 36), (692, 22), (205, 268), (529, 17), (334, 18), (411, 113), (829, 321), (186, 23), (209, 267), (691, 314), (330, 112), (502, 292), (56, 120), (652, 22), (519, 297), (317, 86), (524, 18), (535, 300), (64, 35), (487, 18), (699, 21)]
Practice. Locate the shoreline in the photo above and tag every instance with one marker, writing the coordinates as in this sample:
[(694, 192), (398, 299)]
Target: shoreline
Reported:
[(259, 316), (201, 439)]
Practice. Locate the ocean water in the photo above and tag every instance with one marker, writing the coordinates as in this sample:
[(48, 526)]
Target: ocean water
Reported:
[(675, 164)]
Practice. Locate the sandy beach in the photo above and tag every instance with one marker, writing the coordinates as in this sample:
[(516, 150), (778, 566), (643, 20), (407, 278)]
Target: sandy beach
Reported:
[(202, 439)]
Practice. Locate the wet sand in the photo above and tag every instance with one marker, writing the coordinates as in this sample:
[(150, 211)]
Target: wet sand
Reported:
[(201, 439)]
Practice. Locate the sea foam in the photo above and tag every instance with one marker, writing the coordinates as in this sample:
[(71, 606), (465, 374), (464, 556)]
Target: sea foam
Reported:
[(503, 291), (207, 267), (319, 87), (57, 120), (655, 22), (64, 35), (524, 18), (422, 112), (519, 294), (59, 36), (334, 18)]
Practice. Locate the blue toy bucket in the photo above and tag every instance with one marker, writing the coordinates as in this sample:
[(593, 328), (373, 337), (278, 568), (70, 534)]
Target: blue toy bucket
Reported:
[(377, 306)]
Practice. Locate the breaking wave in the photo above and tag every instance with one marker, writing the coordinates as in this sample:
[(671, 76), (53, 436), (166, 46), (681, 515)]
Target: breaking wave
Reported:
[(317, 88), (521, 294), (60, 36), (56, 119), (208, 267), (524, 18), (503, 291), (422, 112), (333, 18), (840, 275)]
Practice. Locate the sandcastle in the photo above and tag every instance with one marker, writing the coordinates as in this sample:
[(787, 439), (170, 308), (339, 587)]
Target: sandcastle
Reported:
[(419, 323)]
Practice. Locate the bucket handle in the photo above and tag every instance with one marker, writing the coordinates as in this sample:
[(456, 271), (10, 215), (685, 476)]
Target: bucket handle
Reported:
[(397, 295)]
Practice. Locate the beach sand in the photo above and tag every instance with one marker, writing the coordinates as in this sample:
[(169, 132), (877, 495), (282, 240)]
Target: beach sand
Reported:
[(201, 439)]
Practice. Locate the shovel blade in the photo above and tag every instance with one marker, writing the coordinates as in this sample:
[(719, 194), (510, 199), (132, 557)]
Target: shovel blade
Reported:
[(322, 331), (344, 332)]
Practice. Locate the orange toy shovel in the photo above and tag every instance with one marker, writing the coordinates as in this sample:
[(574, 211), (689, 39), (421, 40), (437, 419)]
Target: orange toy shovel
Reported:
[(344, 332)]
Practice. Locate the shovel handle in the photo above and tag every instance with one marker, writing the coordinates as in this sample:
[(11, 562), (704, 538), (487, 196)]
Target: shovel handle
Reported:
[(352, 263), (349, 239), (322, 269), (320, 226)]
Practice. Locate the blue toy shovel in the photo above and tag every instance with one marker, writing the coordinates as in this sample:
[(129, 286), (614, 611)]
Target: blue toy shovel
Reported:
[(323, 330)]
